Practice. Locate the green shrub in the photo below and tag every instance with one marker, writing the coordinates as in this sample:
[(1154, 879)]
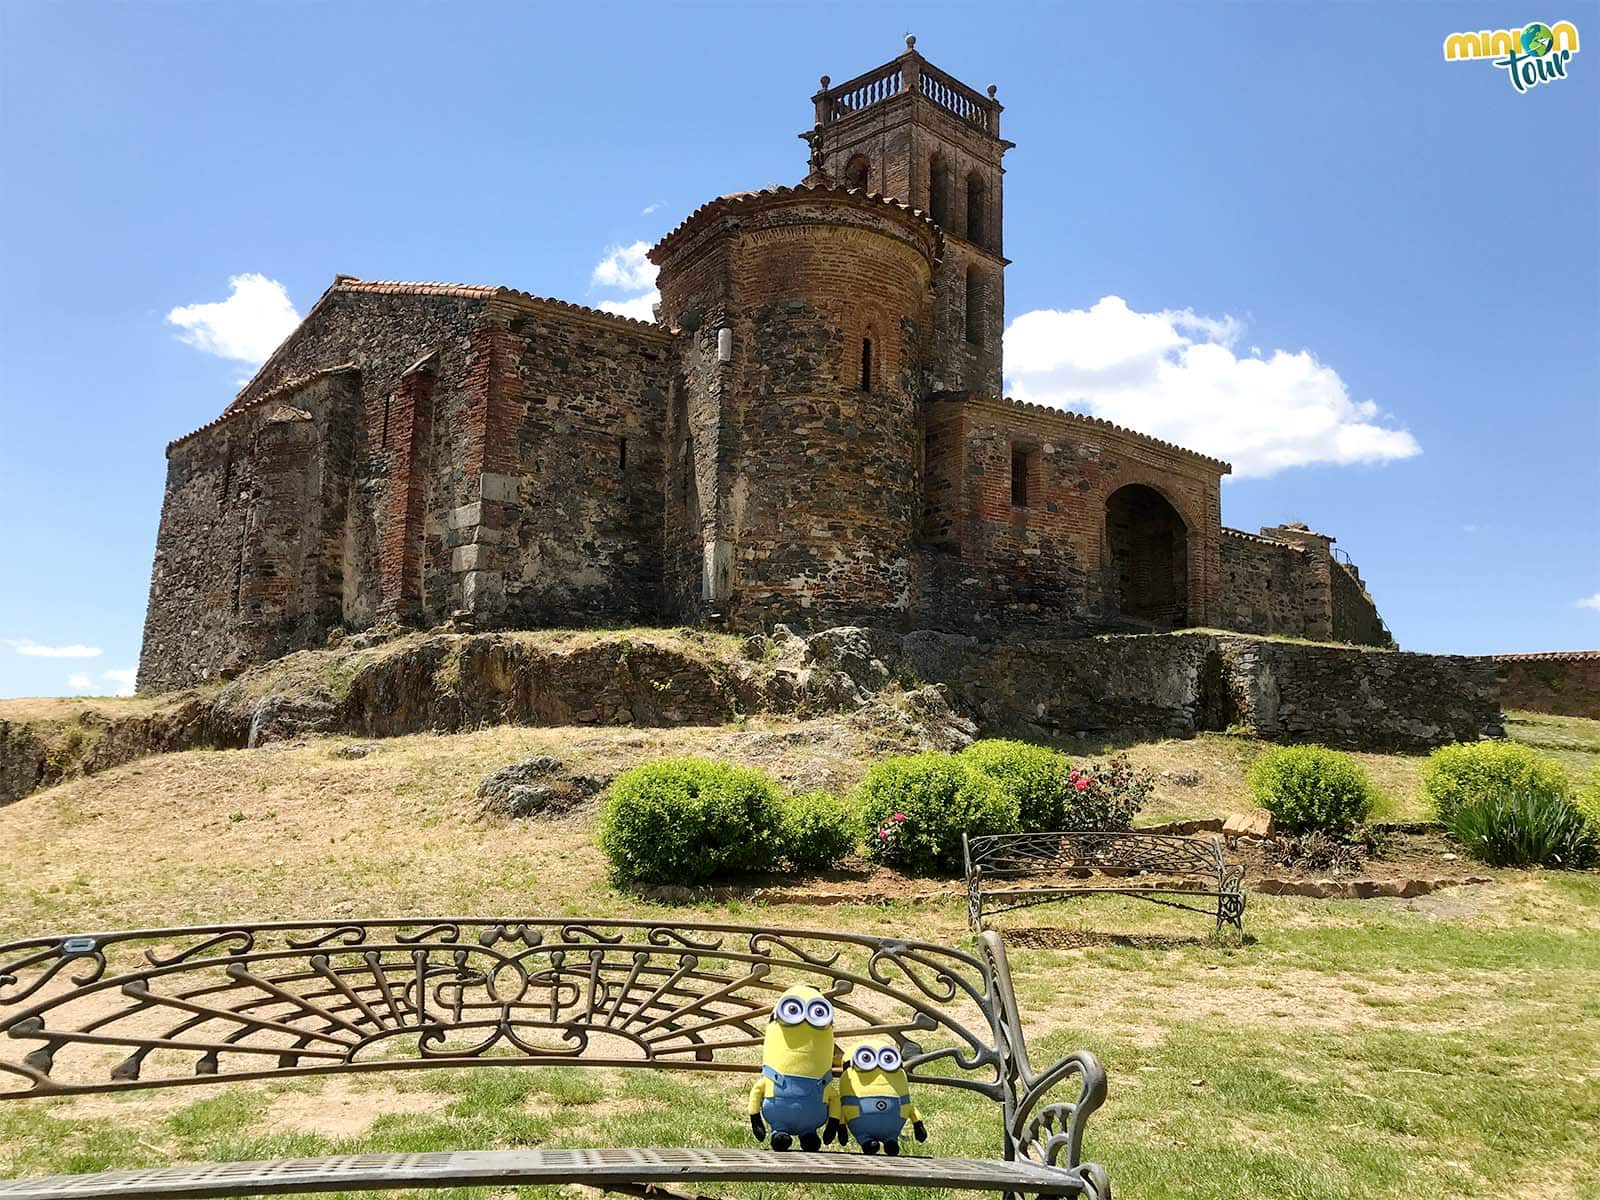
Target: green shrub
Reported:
[(817, 830), (1587, 799), (687, 820), (1466, 771), (1524, 825), (1107, 795), (917, 807), (1311, 788), (1036, 778)]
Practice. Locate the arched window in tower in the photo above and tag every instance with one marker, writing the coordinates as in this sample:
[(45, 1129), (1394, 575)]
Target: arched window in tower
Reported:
[(974, 306), (857, 172), (939, 190), (977, 224), (866, 364)]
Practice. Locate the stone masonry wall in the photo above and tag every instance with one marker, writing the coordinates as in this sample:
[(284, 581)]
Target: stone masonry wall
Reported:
[(1355, 616), (1041, 565), (1566, 683), (802, 480), (1263, 582), (1174, 685), (259, 550)]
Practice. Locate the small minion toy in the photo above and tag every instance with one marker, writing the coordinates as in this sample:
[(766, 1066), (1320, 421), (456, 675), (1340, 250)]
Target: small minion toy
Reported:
[(876, 1099), (796, 1095)]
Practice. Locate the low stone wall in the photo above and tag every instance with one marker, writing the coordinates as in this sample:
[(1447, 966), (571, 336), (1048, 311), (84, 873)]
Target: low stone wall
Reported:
[(1565, 682), (1361, 699), (1174, 685)]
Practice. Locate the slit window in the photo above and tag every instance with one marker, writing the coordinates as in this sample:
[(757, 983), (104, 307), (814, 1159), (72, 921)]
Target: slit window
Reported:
[(622, 454), (866, 364), (1024, 469)]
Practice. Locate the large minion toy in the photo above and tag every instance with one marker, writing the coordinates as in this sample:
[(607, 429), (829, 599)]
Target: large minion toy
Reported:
[(876, 1099), (796, 1095)]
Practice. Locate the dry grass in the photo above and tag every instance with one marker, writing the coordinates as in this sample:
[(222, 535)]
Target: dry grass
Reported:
[(1441, 1046)]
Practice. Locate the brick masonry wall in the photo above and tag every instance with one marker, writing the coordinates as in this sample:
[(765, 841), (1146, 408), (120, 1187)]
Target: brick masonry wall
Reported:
[(1044, 565), (1565, 683)]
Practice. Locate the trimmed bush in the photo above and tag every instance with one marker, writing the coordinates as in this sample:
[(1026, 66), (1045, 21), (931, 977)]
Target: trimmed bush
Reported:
[(1468, 771), (686, 820), (1524, 826), (1036, 778), (1107, 795), (817, 830), (1311, 788), (916, 808)]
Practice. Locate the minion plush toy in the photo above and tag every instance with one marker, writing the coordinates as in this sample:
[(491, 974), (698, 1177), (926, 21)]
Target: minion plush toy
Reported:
[(796, 1095), (876, 1099)]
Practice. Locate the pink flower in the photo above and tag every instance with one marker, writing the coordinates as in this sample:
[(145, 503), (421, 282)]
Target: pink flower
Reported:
[(883, 835), (1081, 784), (1072, 776), (899, 816)]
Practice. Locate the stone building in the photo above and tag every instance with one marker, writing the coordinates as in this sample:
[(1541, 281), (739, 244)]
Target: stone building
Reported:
[(812, 431)]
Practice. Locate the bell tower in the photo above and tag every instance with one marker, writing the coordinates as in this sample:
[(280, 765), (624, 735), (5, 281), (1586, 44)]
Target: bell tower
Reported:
[(908, 130)]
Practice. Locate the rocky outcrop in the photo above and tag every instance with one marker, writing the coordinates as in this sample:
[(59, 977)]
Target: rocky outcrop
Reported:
[(40, 753), (923, 688)]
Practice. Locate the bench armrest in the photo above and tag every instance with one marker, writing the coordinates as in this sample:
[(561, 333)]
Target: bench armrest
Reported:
[(1046, 1111)]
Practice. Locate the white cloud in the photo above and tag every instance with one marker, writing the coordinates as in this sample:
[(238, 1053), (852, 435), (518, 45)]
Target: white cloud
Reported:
[(649, 208), (247, 326), (640, 308), (115, 682), (1174, 375), (625, 268), (32, 649), (1590, 601)]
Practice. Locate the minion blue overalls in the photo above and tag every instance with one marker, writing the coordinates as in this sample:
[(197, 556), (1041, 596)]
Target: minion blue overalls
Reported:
[(797, 1104)]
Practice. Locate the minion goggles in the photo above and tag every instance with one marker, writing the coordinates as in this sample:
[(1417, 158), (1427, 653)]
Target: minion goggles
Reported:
[(791, 1010), (865, 1058)]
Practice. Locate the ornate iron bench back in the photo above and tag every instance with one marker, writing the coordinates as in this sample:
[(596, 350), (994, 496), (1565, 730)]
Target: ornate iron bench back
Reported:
[(1016, 854), (180, 1006)]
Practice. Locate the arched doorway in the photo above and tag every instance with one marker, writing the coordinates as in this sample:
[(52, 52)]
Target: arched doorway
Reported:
[(1147, 553)]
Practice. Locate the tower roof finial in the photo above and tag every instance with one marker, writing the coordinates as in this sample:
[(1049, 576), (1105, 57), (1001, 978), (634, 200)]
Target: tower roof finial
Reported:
[(911, 41)]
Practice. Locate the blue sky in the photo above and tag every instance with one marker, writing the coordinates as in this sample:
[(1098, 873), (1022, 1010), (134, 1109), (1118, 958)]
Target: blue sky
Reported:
[(1347, 249)]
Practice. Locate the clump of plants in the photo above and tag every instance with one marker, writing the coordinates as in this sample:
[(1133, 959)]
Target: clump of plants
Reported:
[(1312, 789), (1052, 794), (1468, 772), (817, 830), (1524, 825), (687, 820), (1318, 851), (1107, 795), (916, 807), (1039, 779)]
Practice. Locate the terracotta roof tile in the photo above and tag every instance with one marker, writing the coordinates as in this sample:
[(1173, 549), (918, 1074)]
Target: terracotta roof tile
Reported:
[(1101, 423), (1256, 537), (734, 201), (1548, 656)]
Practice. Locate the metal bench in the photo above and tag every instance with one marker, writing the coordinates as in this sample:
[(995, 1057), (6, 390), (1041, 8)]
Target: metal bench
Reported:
[(190, 1007), (1019, 870)]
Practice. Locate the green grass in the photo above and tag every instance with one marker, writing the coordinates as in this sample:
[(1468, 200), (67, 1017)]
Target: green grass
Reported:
[(1443, 1047)]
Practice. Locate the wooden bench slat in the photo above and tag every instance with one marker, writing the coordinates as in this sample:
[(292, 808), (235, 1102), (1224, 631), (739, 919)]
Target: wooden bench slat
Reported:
[(600, 1168)]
